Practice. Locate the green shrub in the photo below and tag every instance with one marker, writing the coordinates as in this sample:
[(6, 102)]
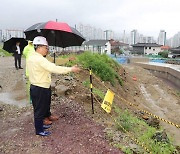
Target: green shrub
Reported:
[(163, 54), (102, 65)]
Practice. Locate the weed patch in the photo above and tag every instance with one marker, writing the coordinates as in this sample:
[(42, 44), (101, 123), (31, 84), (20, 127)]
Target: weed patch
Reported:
[(142, 132)]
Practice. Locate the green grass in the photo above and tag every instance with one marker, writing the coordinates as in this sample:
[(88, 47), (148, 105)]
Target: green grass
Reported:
[(125, 149), (96, 91), (178, 93), (142, 132), (70, 63), (4, 53), (99, 93), (86, 83)]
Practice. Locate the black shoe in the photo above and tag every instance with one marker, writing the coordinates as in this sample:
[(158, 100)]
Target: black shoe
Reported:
[(46, 126), (17, 68), (44, 133), (20, 68)]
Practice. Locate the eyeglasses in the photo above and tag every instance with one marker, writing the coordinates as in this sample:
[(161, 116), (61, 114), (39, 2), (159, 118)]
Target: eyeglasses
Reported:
[(46, 47)]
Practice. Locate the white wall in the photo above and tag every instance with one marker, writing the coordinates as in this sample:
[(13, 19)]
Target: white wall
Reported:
[(107, 48), (152, 50), (103, 49)]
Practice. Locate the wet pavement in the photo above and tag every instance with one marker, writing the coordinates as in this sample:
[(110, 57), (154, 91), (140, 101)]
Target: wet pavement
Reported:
[(12, 83), (7, 98)]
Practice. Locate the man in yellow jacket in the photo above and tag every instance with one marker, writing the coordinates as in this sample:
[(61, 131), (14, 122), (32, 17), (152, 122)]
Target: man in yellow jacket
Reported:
[(40, 69), (28, 50)]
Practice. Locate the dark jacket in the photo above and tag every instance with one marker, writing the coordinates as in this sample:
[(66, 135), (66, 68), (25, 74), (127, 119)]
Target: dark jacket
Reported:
[(14, 49)]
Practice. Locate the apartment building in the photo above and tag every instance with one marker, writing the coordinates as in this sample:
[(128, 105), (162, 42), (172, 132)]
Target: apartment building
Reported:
[(162, 37)]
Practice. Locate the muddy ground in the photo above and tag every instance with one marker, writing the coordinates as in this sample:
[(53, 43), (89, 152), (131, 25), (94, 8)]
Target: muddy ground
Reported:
[(77, 130)]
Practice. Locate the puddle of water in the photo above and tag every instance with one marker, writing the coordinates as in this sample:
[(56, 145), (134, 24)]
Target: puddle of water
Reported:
[(6, 98)]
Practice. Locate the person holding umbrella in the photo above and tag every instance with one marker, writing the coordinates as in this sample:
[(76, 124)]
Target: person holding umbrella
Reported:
[(40, 69), (17, 55), (58, 34)]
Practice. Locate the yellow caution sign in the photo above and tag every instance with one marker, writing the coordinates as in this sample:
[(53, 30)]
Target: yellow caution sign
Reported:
[(107, 102)]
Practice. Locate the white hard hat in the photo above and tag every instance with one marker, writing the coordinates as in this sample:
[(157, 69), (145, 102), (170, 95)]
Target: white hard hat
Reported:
[(39, 40)]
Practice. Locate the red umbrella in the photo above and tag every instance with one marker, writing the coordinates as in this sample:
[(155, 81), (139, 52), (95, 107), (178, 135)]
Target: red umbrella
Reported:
[(57, 34)]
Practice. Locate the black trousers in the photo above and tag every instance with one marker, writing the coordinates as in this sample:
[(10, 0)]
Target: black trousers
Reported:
[(17, 58), (41, 100)]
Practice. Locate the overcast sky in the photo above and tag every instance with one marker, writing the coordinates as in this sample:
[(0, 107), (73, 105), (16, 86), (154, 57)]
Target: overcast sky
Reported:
[(147, 16)]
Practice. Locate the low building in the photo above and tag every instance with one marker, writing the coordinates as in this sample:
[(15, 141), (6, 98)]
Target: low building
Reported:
[(146, 48), (165, 48), (175, 52), (98, 46), (117, 44)]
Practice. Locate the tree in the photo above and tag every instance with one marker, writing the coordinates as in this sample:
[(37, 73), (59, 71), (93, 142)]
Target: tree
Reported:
[(163, 54), (116, 51)]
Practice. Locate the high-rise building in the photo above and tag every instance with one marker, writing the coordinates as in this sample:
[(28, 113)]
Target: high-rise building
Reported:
[(162, 38), (142, 39), (149, 39), (90, 32), (108, 34), (134, 37), (176, 40)]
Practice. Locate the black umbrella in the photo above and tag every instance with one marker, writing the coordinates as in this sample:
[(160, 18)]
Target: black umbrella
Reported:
[(8, 45), (57, 34)]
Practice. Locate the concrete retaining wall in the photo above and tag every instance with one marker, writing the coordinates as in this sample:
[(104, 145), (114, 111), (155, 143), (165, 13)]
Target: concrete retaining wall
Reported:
[(165, 72), (138, 59)]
